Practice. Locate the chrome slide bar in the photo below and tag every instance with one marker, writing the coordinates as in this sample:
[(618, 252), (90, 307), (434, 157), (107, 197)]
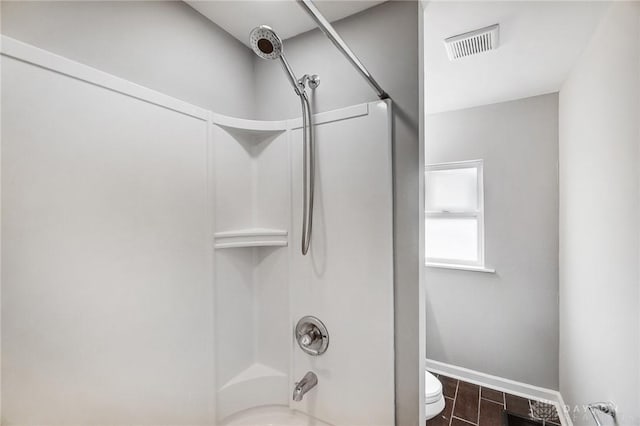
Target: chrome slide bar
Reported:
[(335, 38)]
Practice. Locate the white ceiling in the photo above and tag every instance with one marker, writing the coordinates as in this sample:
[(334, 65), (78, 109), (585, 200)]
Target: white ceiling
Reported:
[(286, 17), (539, 43)]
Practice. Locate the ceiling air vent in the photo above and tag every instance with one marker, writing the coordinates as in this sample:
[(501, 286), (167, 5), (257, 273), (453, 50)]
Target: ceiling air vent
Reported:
[(473, 42)]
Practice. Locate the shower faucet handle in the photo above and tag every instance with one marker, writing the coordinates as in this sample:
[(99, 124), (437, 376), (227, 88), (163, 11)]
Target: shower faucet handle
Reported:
[(309, 336), (312, 335)]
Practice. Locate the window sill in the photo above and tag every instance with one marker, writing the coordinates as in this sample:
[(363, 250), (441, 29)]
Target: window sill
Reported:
[(461, 267)]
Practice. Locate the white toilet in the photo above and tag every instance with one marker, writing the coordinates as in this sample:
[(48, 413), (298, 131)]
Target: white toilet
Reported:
[(434, 399)]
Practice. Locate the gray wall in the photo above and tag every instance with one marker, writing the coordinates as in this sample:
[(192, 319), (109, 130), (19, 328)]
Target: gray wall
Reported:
[(164, 45), (385, 38), (599, 221), (505, 324)]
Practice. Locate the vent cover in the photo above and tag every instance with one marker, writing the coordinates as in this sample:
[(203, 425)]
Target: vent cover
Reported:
[(473, 42)]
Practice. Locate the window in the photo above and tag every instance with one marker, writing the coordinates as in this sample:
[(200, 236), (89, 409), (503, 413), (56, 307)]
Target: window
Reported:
[(454, 215)]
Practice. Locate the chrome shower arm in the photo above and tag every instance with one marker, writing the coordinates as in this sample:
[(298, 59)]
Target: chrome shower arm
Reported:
[(292, 77)]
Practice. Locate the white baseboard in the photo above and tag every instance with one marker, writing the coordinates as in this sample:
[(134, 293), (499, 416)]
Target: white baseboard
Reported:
[(501, 384)]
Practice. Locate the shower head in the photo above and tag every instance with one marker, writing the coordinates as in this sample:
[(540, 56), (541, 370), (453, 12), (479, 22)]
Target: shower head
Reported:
[(267, 45), (265, 42)]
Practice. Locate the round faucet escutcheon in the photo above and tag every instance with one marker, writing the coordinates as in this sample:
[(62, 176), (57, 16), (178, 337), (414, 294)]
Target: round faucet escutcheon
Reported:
[(312, 335)]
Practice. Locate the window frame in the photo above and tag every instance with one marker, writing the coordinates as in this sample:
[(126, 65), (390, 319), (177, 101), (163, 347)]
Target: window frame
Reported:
[(477, 214)]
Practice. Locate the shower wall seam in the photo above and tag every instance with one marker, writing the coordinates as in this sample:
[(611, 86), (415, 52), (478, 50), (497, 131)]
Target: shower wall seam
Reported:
[(211, 252)]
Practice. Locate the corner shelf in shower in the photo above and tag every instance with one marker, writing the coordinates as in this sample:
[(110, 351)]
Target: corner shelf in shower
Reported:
[(249, 130), (251, 237)]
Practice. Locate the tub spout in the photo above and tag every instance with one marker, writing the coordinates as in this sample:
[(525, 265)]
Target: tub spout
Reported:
[(309, 381)]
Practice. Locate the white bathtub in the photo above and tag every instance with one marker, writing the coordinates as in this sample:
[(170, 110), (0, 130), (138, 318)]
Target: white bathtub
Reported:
[(272, 416)]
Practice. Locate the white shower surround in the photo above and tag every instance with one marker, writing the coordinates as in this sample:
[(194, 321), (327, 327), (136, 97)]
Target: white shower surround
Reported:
[(265, 238)]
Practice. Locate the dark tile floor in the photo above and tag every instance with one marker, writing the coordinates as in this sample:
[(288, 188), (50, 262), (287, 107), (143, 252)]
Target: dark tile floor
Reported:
[(468, 404)]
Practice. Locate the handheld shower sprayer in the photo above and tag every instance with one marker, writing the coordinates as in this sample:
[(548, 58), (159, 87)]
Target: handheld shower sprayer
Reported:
[(267, 45)]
